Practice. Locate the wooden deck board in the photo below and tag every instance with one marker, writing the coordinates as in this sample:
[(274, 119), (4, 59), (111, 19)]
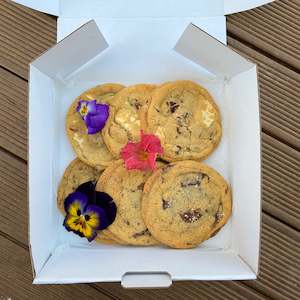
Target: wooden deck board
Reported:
[(13, 113), (273, 28), (269, 36), (279, 95), (16, 278), (24, 34)]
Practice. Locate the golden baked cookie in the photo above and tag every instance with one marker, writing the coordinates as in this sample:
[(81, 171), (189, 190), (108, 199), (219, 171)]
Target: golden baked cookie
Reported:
[(186, 119), (90, 148), (126, 188), (76, 174), (126, 116), (184, 203)]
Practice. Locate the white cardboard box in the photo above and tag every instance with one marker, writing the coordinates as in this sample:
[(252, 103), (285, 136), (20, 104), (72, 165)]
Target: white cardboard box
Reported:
[(146, 41)]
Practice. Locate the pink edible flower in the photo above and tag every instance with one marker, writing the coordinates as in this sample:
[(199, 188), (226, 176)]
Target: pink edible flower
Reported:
[(142, 155)]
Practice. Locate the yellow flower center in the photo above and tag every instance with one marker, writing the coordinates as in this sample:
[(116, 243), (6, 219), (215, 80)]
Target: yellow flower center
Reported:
[(83, 110), (143, 155)]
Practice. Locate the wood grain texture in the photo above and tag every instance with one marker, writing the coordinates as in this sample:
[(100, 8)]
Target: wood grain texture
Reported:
[(189, 290), (24, 34), (279, 95), (273, 28), (280, 181), (13, 113), (16, 279), (13, 197), (280, 260)]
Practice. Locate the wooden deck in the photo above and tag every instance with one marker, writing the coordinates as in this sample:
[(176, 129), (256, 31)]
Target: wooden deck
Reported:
[(270, 36)]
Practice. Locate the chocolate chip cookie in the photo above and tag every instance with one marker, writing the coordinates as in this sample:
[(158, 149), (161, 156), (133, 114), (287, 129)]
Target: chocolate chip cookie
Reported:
[(128, 112), (126, 188), (90, 148), (184, 203), (75, 174), (186, 119)]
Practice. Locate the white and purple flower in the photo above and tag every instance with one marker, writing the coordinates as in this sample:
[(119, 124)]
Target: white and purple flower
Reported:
[(93, 114)]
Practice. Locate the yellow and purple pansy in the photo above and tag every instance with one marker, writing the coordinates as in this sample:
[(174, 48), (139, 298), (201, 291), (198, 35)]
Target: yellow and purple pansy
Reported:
[(93, 114), (88, 211)]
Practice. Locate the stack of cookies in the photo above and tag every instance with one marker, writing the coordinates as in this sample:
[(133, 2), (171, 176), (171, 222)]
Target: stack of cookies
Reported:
[(180, 204)]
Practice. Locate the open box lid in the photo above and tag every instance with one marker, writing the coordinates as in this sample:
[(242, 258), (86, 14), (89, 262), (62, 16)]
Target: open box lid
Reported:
[(141, 8)]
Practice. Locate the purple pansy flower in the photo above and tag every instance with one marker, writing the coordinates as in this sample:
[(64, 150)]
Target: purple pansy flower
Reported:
[(88, 211), (93, 114)]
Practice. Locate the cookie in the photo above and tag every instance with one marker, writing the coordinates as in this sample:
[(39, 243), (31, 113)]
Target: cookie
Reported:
[(184, 203), (90, 148), (126, 188), (186, 119), (75, 174), (106, 237), (126, 116)]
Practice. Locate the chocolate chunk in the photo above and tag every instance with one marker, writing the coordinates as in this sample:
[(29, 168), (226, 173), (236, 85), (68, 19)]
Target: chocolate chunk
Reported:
[(193, 182), (218, 217), (166, 204), (167, 167), (191, 215), (178, 149), (141, 186), (73, 129), (136, 104), (141, 233), (172, 106), (186, 115)]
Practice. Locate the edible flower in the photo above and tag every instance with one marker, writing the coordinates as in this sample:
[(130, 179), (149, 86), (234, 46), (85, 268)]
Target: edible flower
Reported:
[(93, 114), (142, 155), (88, 211)]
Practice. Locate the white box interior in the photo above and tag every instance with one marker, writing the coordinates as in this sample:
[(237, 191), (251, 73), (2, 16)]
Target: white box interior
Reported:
[(58, 77)]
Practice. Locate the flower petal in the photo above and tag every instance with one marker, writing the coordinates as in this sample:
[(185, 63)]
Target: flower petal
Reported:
[(152, 161), (96, 122), (92, 107), (88, 188), (151, 143), (102, 109), (106, 202), (92, 130), (136, 164), (75, 203), (95, 217), (130, 150), (92, 236), (80, 227)]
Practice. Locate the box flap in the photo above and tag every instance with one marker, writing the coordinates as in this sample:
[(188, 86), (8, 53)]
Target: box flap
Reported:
[(216, 265), (141, 8), (86, 42), (138, 8), (210, 53), (234, 6), (47, 6)]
